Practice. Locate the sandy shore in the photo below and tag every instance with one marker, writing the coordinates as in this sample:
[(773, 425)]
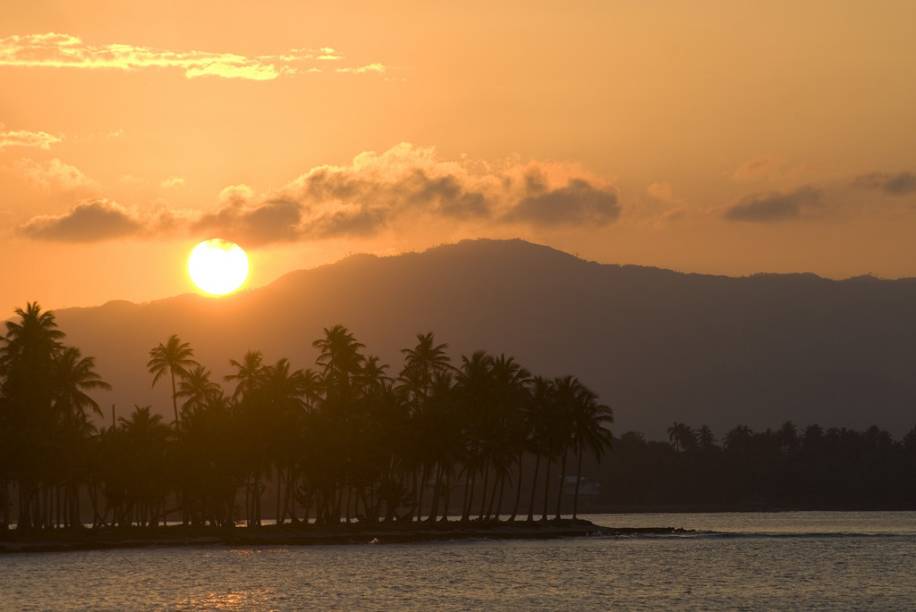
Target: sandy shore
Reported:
[(101, 539)]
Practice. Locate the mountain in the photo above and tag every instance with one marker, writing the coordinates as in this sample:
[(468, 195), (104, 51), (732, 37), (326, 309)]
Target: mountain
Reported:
[(657, 345)]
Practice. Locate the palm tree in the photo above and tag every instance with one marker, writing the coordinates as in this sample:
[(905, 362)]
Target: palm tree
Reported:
[(682, 437), (706, 438), (34, 335), (568, 392), (340, 355), (473, 386), (29, 349), (422, 363), (172, 356), (539, 416), (509, 399), (144, 479), (248, 373), (197, 389), (74, 375), (590, 426)]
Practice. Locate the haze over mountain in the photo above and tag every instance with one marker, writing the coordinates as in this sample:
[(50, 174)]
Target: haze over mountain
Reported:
[(657, 345)]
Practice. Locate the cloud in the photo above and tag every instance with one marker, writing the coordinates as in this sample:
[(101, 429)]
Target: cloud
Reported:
[(368, 68), (408, 183), (91, 221), (172, 182), (67, 51), (23, 138), (896, 184), (774, 206), (661, 191), (758, 168), (576, 203), (770, 169), (273, 221), (405, 186), (54, 174), (236, 193)]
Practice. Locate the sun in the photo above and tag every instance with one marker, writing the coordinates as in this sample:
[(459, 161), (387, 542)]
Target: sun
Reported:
[(218, 267)]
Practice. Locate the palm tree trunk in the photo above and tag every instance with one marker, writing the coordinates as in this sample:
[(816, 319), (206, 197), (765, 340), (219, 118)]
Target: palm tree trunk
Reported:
[(448, 491), (434, 509), (483, 500), (421, 489), (5, 503), (497, 478), (278, 517), (468, 495), (518, 489), (546, 487), (290, 498), (257, 499), (174, 397), (578, 480), (534, 487), (560, 487)]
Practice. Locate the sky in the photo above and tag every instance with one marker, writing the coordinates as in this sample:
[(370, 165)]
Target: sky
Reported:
[(726, 137)]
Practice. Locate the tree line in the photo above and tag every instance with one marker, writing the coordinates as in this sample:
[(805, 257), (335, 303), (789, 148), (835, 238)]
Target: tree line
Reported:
[(784, 468), (344, 441)]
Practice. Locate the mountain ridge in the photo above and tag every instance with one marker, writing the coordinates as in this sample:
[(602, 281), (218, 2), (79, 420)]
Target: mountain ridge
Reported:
[(658, 345)]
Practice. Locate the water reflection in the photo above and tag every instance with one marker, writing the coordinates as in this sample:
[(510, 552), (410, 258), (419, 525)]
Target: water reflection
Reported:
[(754, 571)]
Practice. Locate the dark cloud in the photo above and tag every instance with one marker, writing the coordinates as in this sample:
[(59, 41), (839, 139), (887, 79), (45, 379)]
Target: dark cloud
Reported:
[(381, 198), (577, 203), (363, 221), (272, 221), (773, 207), (900, 183), (86, 222), (445, 195)]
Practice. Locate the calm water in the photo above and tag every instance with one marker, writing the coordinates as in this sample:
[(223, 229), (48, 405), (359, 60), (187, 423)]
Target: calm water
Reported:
[(810, 560)]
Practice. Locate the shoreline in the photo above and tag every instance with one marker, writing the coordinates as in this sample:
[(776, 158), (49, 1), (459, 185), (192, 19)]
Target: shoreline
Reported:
[(292, 535)]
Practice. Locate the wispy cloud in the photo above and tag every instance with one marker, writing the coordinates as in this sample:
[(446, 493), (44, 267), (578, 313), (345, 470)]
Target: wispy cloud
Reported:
[(66, 51), (368, 68), (775, 206), (54, 174), (24, 138), (896, 184)]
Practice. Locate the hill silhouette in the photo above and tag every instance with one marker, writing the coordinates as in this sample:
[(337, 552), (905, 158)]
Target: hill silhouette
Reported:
[(657, 345)]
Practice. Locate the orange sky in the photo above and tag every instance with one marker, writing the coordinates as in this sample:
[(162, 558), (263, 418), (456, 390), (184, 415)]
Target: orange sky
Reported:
[(727, 137)]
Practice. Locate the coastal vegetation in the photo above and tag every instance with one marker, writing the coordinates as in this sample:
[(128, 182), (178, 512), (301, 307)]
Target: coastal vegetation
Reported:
[(788, 467), (349, 441), (346, 441)]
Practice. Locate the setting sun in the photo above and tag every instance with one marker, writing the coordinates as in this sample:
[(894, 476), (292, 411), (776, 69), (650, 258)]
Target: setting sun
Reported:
[(218, 267)]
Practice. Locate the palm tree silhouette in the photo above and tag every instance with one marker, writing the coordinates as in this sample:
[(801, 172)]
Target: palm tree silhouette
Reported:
[(74, 376), (682, 437), (196, 389), (248, 373), (27, 358), (539, 418), (344, 442), (590, 421), (175, 357)]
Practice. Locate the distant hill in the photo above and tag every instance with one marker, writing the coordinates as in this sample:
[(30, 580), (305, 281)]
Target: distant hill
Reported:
[(657, 345)]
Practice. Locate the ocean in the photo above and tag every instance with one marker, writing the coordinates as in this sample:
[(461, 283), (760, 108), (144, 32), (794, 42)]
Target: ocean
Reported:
[(747, 561)]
